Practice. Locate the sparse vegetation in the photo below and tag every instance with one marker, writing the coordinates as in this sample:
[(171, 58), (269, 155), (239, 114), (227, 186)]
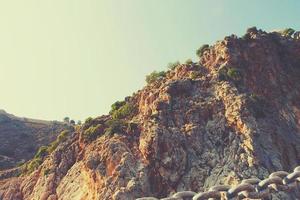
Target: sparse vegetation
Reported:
[(288, 32), (195, 75), (234, 74), (189, 61), (115, 126), (154, 76), (42, 152), (46, 171), (230, 73), (202, 49), (92, 132), (124, 111), (67, 119), (173, 65), (132, 126)]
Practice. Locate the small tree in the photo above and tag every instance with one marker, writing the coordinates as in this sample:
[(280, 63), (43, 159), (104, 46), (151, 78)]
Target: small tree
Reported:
[(173, 65), (288, 32), (67, 119), (154, 76), (189, 61), (202, 49), (72, 122)]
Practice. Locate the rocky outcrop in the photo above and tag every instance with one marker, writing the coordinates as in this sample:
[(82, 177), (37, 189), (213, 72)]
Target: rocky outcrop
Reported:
[(233, 115)]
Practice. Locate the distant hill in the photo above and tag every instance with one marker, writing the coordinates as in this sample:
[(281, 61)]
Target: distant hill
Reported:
[(21, 137)]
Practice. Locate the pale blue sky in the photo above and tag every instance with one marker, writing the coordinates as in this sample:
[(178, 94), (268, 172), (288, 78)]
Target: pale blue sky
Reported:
[(76, 57)]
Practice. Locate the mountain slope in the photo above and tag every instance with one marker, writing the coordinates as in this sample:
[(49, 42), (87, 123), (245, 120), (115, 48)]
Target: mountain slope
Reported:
[(233, 115), (21, 137)]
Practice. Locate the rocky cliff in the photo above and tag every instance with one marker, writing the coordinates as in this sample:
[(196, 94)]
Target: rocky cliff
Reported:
[(234, 114)]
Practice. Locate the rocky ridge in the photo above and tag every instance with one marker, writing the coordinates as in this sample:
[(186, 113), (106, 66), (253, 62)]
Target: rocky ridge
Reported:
[(233, 115)]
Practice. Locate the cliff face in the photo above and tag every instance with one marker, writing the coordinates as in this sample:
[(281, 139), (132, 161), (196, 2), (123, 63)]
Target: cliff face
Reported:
[(233, 115), (21, 137)]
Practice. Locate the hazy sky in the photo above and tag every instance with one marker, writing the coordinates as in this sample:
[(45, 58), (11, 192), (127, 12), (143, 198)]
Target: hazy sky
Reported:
[(76, 57)]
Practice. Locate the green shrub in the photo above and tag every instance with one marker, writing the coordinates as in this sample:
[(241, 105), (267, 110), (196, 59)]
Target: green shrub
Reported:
[(288, 32), (92, 132), (234, 74), (189, 61), (124, 111), (173, 65), (42, 152), (88, 120), (154, 76), (60, 138), (67, 119), (195, 75), (115, 126), (229, 73), (202, 49), (32, 165), (116, 106)]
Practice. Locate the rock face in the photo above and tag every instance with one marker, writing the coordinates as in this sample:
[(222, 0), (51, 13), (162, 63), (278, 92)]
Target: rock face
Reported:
[(233, 115), (21, 137)]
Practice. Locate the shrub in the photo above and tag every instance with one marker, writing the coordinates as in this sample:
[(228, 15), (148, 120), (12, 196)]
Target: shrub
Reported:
[(222, 74), (288, 32), (115, 126), (116, 106), (234, 74), (132, 126), (229, 73), (173, 65), (252, 30), (92, 132), (124, 111), (60, 138), (195, 75), (202, 49), (42, 152), (154, 76), (67, 119), (189, 61), (32, 165), (46, 172)]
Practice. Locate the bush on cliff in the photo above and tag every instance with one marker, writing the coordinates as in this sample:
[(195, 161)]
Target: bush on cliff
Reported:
[(92, 132), (115, 126), (173, 65), (230, 74), (288, 32), (154, 76), (202, 49), (125, 111)]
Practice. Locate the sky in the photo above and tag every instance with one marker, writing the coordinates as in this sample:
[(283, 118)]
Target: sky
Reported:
[(75, 58)]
